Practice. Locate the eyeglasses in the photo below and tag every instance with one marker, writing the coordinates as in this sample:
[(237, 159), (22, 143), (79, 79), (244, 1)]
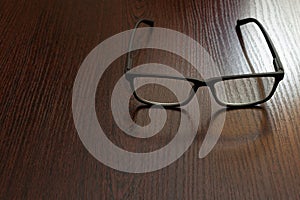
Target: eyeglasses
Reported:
[(231, 91)]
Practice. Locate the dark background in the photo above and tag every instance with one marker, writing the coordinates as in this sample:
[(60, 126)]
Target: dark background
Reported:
[(43, 43)]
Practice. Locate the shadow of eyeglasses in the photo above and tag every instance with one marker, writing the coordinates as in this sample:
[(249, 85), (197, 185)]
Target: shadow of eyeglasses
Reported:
[(211, 138)]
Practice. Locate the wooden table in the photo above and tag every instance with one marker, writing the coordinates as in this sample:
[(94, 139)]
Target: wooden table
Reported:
[(43, 44)]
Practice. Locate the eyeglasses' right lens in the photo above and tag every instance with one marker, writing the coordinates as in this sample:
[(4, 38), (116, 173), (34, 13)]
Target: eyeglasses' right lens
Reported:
[(244, 91), (162, 90)]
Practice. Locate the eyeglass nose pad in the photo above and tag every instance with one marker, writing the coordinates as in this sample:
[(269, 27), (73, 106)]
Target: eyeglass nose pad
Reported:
[(196, 87), (194, 90)]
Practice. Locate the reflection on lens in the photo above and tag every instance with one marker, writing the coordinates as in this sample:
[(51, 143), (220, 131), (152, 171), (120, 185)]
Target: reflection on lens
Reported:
[(244, 90), (162, 90)]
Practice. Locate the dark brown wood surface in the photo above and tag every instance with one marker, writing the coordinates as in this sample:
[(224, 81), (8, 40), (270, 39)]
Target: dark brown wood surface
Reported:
[(43, 43)]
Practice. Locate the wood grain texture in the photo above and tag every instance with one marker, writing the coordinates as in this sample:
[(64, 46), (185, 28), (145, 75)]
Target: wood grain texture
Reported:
[(42, 45)]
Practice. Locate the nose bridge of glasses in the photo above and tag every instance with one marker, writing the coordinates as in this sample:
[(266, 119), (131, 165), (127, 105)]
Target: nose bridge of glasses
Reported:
[(197, 83)]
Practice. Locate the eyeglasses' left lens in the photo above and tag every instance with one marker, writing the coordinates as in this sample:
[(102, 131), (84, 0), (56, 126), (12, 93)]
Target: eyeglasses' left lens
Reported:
[(165, 91), (243, 91)]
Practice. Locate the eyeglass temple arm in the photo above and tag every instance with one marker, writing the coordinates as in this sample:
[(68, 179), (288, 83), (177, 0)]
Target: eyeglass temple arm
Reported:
[(276, 61), (129, 56)]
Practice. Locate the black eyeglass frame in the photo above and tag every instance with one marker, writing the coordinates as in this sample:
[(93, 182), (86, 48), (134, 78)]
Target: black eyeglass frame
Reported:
[(278, 74)]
